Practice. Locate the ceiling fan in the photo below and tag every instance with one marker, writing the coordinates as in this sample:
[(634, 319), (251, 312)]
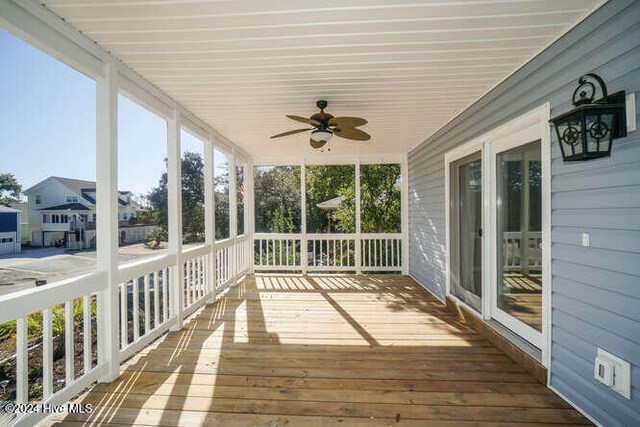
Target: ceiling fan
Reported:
[(325, 126)]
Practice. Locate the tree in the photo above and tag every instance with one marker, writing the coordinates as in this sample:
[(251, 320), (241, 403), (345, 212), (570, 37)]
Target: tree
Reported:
[(277, 199), (380, 198), (158, 197), (327, 182), (221, 197), (192, 198), (10, 189)]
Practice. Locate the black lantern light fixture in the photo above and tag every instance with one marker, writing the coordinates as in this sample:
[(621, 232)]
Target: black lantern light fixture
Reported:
[(586, 132)]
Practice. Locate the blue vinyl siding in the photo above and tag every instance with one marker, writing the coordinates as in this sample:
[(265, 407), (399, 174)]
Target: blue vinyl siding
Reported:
[(596, 290), (8, 222)]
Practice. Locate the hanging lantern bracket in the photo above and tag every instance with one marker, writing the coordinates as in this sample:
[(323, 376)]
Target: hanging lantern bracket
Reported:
[(586, 132)]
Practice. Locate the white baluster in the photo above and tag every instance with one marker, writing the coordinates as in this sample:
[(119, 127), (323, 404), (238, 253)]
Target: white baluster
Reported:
[(47, 354), (124, 333), (147, 305), (22, 361), (86, 326), (69, 352)]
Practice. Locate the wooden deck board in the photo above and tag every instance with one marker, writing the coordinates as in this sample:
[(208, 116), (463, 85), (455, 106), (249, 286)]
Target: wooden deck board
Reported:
[(313, 351)]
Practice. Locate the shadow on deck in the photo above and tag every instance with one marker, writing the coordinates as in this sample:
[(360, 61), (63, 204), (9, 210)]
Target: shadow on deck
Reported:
[(318, 350)]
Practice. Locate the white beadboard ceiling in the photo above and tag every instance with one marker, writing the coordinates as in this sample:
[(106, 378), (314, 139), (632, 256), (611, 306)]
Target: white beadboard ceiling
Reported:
[(407, 66)]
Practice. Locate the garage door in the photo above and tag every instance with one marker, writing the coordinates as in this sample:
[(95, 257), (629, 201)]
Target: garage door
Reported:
[(7, 245)]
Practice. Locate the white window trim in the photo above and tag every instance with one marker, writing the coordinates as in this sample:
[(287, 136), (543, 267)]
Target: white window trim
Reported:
[(512, 134)]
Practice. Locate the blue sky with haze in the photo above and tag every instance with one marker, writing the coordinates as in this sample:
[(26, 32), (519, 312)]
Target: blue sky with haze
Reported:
[(48, 124)]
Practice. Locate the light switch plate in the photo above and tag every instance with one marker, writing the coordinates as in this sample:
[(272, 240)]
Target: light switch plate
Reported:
[(586, 239)]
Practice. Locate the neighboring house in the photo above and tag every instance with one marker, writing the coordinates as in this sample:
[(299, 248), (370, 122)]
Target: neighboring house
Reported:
[(62, 211), (24, 220), (9, 230)]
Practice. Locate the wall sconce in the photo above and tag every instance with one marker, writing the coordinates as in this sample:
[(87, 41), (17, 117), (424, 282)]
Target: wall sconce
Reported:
[(586, 132)]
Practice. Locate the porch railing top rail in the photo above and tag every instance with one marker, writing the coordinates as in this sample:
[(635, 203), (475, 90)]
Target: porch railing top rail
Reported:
[(25, 302)]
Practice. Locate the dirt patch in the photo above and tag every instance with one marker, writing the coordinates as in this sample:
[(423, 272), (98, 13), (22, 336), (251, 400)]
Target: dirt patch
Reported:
[(35, 365)]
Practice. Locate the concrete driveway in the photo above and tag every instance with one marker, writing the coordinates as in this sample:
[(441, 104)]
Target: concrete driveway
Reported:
[(20, 271)]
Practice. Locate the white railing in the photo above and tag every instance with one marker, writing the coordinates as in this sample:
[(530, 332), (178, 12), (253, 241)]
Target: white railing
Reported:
[(277, 252), (381, 252), (328, 252), (331, 252), (146, 311), (145, 293), (197, 277), (244, 263), (232, 261), (522, 251), (46, 321)]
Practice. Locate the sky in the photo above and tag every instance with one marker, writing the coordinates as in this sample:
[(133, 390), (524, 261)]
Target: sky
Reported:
[(48, 124)]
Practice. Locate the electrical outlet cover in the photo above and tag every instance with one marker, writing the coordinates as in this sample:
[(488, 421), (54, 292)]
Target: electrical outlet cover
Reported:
[(621, 372)]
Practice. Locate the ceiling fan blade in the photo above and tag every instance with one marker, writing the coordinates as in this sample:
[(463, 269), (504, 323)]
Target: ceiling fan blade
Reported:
[(291, 132), (347, 122), (304, 120), (351, 133), (316, 144)]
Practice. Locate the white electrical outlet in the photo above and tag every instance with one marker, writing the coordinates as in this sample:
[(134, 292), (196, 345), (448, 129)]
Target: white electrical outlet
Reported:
[(586, 239), (603, 371), (613, 372)]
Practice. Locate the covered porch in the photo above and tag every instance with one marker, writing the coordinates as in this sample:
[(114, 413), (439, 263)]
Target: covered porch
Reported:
[(405, 279), (322, 350)]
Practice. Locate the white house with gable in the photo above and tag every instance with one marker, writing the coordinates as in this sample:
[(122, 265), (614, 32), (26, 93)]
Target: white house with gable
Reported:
[(62, 211)]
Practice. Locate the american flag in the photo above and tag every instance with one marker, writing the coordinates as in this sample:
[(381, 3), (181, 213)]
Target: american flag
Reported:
[(242, 191)]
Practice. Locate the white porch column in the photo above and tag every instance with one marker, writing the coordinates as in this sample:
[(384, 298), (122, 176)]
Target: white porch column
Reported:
[(404, 211), (249, 213), (303, 218), (358, 252), (174, 172), (233, 214), (107, 220), (210, 214)]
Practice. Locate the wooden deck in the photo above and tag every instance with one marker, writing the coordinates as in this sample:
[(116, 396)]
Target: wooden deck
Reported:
[(284, 350)]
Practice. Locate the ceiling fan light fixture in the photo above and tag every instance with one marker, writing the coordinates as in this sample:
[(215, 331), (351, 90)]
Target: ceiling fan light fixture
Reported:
[(321, 135)]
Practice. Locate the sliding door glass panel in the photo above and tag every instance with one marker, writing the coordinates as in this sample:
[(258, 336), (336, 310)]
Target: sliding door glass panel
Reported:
[(519, 228), (466, 230)]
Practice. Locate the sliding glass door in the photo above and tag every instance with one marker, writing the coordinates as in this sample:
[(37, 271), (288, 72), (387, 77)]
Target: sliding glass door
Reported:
[(466, 230), (517, 302), (498, 233)]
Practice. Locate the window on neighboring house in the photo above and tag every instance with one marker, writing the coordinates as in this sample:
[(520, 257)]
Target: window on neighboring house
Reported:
[(37, 199), (72, 199), (45, 219), (124, 215)]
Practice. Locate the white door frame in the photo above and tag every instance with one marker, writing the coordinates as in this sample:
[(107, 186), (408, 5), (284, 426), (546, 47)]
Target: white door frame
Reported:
[(529, 127)]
